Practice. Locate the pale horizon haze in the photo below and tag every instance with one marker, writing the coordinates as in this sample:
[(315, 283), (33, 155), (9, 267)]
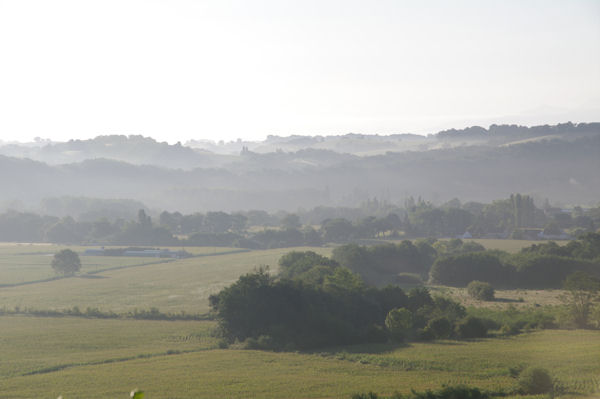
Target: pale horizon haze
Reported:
[(222, 70)]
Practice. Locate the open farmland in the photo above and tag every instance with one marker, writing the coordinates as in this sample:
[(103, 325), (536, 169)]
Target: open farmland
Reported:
[(27, 263), (520, 298), (40, 344), (170, 285), (145, 355), (81, 357), (511, 246)]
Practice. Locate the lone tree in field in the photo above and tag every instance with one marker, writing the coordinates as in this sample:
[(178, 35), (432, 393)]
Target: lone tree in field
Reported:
[(66, 262), (481, 290), (583, 291)]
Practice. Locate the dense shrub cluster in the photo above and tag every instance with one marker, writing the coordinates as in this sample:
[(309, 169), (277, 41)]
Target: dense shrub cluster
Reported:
[(293, 314), (451, 392), (548, 271), (480, 290), (459, 270), (95, 313), (307, 266), (531, 381), (317, 303), (587, 246), (539, 266), (386, 261), (512, 320), (534, 381), (471, 327)]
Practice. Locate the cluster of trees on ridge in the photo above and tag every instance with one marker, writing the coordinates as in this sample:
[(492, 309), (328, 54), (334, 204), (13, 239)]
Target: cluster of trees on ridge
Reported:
[(515, 217), (539, 266), (316, 301), (457, 263)]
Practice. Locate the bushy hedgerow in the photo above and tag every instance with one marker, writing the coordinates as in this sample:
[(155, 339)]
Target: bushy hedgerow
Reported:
[(548, 271), (386, 260), (452, 392), (586, 246), (523, 270), (459, 270), (513, 320), (440, 327), (320, 303)]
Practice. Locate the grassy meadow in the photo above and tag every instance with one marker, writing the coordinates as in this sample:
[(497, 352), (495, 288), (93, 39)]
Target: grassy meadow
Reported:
[(79, 357), (169, 285), (27, 263), (510, 246), (179, 360), (41, 344), (519, 298)]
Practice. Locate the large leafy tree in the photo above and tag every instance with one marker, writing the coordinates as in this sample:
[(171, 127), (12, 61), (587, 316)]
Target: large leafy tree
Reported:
[(399, 322), (66, 262), (583, 291)]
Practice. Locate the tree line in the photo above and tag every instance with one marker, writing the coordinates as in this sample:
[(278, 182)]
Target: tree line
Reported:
[(457, 263), (515, 217), (316, 301), (538, 266)]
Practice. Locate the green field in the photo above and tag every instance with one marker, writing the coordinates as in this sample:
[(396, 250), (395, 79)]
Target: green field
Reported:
[(81, 358), (90, 358), (511, 246), (26, 263), (34, 344), (172, 286)]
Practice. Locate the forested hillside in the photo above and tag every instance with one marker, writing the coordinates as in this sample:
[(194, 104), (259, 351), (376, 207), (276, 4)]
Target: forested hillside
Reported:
[(544, 162)]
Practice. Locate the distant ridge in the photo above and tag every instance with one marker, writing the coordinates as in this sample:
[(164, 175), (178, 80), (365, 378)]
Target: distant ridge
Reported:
[(560, 162)]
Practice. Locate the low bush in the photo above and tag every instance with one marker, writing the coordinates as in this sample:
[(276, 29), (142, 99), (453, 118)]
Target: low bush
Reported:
[(481, 290), (461, 392), (517, 319), (510, 329), (535, 381), (459, 270), (263, 342), (471, 327), (452, 392), (425, 334), (440, 327), (370, 395)]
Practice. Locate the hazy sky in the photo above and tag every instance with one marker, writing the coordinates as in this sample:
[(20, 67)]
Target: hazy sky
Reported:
[(177, 70)]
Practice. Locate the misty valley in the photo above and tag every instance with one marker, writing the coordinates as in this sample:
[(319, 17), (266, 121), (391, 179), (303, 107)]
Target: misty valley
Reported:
[(463, 264)]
